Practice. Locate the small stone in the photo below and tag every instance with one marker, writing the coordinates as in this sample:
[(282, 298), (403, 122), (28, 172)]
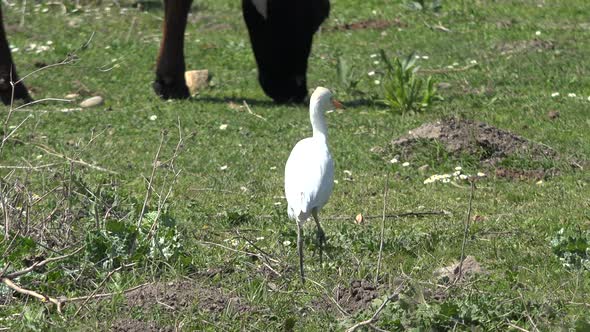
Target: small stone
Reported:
[(423, 168), (553, 115), (72, 96), (359, 219), (92, 101), (443, 85), (196, 80)]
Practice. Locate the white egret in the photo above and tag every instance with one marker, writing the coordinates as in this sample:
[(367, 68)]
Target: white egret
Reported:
[(309, 172)]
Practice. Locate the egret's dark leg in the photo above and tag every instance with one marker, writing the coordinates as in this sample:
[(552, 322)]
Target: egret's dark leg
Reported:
[(321, 235), (300, 249)]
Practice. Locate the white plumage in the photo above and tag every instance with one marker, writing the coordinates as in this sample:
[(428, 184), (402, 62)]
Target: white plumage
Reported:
[(309, 172)]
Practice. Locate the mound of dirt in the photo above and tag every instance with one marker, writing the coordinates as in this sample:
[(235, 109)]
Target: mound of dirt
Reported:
[(181, 294), (459, 272), (477, 138), (354, 298), (358, 296)]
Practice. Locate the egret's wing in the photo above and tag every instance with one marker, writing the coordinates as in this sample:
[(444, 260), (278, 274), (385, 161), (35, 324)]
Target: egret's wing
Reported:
[(309, 177)]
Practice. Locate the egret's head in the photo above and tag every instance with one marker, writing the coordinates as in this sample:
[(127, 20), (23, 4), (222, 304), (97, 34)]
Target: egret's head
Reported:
[(324, 99)]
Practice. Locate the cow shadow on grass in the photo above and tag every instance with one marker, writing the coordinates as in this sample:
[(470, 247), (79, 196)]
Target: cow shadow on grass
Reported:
[(269, 103)]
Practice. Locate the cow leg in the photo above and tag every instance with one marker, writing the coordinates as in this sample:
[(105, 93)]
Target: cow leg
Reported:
[(8, 72), (170, 83)]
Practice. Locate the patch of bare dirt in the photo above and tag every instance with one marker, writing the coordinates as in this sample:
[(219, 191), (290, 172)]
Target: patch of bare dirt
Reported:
[(358, 296), (520, 174), (525, 46), (466, 136), (354, 298), (176, 295), (135, 325), (368, 24)]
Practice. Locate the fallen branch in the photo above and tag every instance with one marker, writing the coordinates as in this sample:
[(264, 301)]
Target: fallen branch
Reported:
[(516, 327), (19, 273), (8, 282), (446, 70)]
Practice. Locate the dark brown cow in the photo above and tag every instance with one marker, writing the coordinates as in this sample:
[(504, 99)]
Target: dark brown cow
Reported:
[(281, 33)]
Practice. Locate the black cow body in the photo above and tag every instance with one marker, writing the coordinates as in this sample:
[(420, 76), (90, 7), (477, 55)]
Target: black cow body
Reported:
[(281, 33)]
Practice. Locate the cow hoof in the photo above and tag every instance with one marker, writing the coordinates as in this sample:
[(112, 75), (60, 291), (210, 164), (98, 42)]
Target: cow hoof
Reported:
[(20, 94), (173, 90)]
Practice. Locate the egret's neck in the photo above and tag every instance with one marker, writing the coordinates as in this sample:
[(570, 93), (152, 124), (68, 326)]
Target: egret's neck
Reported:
[(318, 123)]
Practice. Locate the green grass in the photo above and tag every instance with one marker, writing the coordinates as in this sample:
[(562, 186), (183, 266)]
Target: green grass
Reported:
[(526, 284)]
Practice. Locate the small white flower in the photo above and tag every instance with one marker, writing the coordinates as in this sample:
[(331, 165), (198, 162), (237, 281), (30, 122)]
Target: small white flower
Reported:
[(347, 172), (481, 174), (223, 126), (223, 168), (455, 63), (394, 161), (456, 173), (555, 94), (371, 73), (377, 82), (14, 49), (273, 168), (153, 117), (540, 182), (44, 10), (336, 181), (450, 67), (373, 55), (286, 243), (235, 242), (277, 203), (588, 98), (458, 168), (446, 180), (406, 164), (425, 57), (571, 94), (375, 62), (537, 33), (463, 177), (374, 12), (260, 238), (473, 62), (244, 189)]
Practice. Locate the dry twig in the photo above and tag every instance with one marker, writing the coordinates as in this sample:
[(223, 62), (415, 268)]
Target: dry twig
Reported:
[(250, 111), (466, 231), (381, 237)]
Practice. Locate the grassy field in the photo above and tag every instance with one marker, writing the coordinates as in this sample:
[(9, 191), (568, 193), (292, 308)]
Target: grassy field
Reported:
[(215, 245)]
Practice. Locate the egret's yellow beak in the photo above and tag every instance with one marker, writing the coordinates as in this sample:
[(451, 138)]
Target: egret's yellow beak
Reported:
[(338, 105)]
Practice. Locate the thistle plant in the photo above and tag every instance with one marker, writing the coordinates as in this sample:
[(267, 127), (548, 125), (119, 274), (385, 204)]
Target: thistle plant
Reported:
[(403, 90)]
